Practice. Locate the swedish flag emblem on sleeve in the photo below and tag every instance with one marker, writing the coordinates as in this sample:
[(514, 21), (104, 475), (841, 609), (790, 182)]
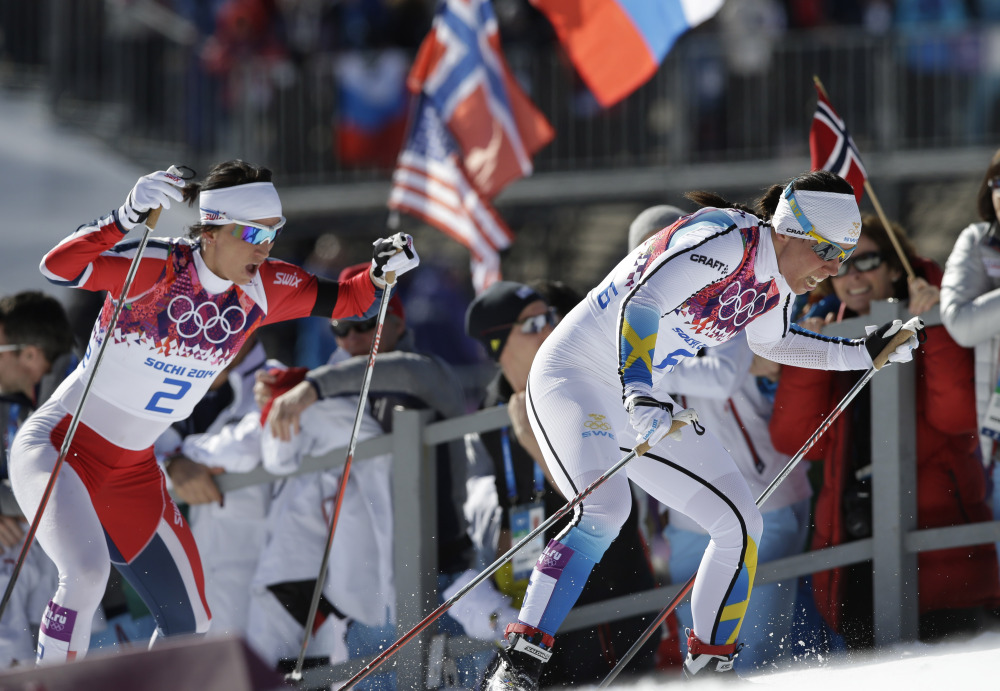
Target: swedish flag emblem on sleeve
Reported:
[(637, 344)]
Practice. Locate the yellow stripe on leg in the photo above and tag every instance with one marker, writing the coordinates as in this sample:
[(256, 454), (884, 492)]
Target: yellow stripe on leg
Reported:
[(737, 610)]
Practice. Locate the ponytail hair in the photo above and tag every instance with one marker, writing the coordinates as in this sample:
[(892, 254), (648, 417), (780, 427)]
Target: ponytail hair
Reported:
[(763, 208)]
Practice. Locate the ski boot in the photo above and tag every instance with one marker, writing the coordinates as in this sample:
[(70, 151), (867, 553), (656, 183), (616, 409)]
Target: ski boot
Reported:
[(703, 657), (518, 666)]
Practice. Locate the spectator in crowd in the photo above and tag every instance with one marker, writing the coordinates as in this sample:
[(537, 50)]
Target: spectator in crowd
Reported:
[(970, 310), (193, 303), (356, 601), (733, 391), (36, 353), (400, 377), (512, 320), (222, 434), (722, 270), (955, 584)]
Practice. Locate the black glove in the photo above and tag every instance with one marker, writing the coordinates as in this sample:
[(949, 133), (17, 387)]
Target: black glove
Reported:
[(395, 253), (879, 340)]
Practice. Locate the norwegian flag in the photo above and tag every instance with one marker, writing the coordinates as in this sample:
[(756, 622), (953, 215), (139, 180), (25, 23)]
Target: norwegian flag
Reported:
[(463, 73), (831, 147), (430, 183), (472, 132)]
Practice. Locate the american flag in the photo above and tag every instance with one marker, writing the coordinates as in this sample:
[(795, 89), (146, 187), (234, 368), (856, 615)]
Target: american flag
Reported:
[(831, 147), (430, 183), (472, 132)]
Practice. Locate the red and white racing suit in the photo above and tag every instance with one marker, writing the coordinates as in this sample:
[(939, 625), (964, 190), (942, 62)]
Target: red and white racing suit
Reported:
[(180, 326)]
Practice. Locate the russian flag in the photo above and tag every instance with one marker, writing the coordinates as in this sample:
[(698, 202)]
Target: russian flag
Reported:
[(617, 45), (372, 104)]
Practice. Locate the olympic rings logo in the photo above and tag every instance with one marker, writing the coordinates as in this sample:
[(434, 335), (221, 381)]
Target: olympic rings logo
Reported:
[(743, 305), (205, 319), (597, 422)]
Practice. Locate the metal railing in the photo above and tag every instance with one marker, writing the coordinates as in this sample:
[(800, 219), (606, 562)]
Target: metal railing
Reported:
[(893, 547)]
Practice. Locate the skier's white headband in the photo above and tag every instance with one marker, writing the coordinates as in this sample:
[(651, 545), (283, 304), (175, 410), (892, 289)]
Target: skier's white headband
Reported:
[(830, 215), (249, 202)]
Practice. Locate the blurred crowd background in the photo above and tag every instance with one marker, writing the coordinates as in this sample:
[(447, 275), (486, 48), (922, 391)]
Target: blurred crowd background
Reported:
[(315, 90)]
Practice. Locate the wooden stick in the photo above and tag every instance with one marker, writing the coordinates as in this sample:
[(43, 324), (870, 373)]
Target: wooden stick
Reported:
[(888, 229), (899, 339), (878, 208)]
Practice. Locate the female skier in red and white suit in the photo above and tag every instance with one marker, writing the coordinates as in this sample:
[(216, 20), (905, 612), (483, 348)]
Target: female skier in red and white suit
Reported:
[(193, 303)]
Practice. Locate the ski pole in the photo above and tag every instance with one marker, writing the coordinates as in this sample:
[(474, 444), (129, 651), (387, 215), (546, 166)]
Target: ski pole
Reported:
[(880, 362), (390, 280), (639, 450), (151, 220)]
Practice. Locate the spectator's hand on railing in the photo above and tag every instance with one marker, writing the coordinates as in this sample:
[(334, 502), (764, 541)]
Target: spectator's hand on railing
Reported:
[(923, 295), (193, 481), (283, 418), (762, 367), (263, 385), (11, 531), (816, 324), (517, 409)]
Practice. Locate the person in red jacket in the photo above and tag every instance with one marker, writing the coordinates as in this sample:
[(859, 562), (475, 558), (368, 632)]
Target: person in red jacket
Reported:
[(955, 584)]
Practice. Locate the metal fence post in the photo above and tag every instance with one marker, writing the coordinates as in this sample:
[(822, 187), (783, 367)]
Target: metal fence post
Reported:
[(894, 493), (414, 498)]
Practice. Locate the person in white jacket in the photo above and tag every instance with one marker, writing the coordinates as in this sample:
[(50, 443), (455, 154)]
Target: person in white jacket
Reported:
[(304, 421), (363, 594), (970, 311)]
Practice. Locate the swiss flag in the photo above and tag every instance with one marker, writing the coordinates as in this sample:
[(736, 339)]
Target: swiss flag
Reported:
[(831, 147)]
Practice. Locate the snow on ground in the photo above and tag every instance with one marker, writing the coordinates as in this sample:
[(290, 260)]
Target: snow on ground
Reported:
[(53, 180), (973, 665)]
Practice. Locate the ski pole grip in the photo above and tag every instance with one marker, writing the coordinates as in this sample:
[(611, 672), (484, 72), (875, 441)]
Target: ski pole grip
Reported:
[(153, 217), (901, 337), (390, 277), (643, 447)]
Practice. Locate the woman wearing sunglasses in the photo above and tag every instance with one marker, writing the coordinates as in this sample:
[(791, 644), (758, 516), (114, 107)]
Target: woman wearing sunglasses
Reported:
[(192, 304), (956, 584), (695, 284)]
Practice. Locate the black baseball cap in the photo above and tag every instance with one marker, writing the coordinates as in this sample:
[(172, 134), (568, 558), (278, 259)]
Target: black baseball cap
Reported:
[(493, 313)]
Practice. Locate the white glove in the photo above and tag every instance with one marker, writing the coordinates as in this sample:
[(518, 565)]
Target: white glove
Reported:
[(880, 337), (396, 254), (483, 612), (652, 419), (151, 191)]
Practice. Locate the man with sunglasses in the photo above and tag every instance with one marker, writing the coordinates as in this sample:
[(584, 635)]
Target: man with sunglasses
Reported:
[(192, 304), (36, 344), (723, 270), (512, 321)]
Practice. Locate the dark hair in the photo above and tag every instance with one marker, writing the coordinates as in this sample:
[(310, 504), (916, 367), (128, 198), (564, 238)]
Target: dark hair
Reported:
[(763, 208), (227, 174), (873, 229), (34, 318), (984, 198), (557, 295)]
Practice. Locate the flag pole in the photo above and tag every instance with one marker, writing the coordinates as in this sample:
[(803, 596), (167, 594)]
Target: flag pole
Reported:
[(878, 207)]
